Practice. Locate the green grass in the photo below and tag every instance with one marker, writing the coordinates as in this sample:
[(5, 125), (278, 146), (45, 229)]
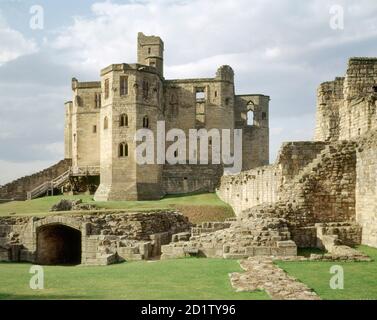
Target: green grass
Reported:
[(190, 278), (360, 278), (198, 207)]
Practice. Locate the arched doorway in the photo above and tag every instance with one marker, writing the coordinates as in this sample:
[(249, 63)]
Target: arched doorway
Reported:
[(58, 244)]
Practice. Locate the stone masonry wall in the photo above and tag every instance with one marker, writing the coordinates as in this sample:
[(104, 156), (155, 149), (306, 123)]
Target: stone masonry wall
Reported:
[(190, 178), (366, 189), (358, 112), (17, 189), (106, 236), (329, 101), (263, 185)]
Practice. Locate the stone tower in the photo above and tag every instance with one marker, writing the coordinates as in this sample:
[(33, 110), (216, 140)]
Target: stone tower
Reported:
[(150, 52), (132, 96)]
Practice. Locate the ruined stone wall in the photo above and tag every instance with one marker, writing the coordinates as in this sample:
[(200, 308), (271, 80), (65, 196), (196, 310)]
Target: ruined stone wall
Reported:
[(255, 139), (17, 189), (324, 191), (250, 188), (263, 185), (366, 189), (358, 113), (329, 101), (293, 157), (106, 236)]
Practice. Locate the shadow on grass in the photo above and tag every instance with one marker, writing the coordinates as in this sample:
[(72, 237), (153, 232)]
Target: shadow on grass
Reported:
[(11, 296), (182, 195), (306, 252)]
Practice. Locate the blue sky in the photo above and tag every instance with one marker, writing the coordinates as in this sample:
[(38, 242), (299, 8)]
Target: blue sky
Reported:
[(284, 49)]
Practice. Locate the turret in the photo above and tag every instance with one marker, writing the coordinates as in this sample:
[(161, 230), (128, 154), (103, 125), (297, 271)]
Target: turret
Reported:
[(150, 52)]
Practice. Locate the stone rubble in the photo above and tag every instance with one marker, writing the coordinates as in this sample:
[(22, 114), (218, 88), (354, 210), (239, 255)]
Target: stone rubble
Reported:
[(262, 274)]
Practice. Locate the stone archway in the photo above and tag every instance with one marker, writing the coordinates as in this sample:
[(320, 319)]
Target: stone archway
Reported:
[(58, 244)]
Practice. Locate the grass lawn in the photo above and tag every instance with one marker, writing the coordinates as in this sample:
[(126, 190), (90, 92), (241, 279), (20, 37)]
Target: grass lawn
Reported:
[(360, 278), (198, 207), (190, 278)]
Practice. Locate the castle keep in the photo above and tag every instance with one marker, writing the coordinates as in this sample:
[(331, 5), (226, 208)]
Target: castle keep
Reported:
[(320, 193), (104, 116)]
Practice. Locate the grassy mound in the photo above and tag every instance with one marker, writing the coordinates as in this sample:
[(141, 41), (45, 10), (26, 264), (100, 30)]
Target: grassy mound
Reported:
[(198, 207)]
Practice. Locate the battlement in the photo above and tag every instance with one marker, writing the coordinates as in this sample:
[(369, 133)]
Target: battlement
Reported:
[(122, 67), (85, 85)]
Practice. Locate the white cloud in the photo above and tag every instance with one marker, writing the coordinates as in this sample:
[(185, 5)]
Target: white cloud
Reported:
[(12, 170), (13, 44)]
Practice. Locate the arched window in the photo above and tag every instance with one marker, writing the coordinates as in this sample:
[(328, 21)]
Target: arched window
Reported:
[(106, 123), (250, 117), (123, 120), (250, 114), (123, 150), (145, 122)]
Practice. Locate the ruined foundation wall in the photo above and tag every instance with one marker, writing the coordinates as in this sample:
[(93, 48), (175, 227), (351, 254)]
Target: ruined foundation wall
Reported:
[(106, 236)]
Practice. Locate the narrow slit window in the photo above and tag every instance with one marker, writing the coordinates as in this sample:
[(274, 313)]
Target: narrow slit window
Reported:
[(107, 88), (146, 122)]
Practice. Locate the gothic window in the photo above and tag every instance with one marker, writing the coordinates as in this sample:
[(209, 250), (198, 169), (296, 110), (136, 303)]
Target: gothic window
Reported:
[(107, 88), (74, 137), (250, 118), (146, 122), (94, 129), (123, 85), (123, 150), (149, 50), (106, 123), (123, 120)]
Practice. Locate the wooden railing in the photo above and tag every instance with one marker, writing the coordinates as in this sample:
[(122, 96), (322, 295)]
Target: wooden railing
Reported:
[(49, 186)]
